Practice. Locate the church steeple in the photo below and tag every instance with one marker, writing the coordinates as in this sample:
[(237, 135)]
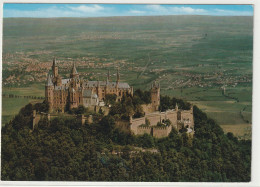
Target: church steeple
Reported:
[(74, 73)]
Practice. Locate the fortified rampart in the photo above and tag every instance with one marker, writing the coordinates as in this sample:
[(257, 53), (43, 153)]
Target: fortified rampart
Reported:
[(138, 126), (160, 132), (177, 117), (38, 116)]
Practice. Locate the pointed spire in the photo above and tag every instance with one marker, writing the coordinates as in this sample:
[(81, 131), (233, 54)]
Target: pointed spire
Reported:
[(54, 63), (49, 81), (74, 72)]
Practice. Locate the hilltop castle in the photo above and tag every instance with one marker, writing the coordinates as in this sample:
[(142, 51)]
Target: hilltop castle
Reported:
[(62, 94)]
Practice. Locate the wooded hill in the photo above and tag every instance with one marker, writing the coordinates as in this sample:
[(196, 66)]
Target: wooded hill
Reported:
[(65, 150)]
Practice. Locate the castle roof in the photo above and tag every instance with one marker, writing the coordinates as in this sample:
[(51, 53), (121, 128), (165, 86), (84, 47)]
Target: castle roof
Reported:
[(62, 87), (65, 81), (92, 84)]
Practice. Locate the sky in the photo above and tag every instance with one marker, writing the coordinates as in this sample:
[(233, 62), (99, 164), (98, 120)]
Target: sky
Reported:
[(107, 10)]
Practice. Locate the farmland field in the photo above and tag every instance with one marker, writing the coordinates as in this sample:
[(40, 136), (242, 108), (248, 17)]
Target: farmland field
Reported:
[(193, 58)]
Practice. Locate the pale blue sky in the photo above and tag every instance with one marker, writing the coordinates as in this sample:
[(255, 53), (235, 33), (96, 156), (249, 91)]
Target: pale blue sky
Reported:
[(105, 10)]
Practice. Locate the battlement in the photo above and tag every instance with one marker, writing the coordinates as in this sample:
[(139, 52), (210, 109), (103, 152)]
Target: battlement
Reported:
[(160, 128), (144, 127)]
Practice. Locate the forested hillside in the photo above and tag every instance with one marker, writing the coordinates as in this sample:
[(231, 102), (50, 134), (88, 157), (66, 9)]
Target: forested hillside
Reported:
[(65, 150)]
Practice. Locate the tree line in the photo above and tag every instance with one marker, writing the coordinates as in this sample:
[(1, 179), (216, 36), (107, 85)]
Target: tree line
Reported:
[(19, 96)]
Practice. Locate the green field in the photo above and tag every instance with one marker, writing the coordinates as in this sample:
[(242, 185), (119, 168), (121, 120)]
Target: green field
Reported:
[(11, 106), (213, 51)]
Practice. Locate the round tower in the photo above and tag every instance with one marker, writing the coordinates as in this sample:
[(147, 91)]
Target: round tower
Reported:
[(155, 95)]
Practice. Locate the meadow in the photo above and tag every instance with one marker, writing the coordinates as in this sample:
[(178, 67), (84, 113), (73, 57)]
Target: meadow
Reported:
[(208, 50)]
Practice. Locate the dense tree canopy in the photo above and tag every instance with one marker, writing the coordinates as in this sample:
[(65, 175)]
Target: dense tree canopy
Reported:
[(170, 103), (64, 149), (128, 106)]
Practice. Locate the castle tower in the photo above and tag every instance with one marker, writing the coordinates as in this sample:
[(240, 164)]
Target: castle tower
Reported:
[(49, 87), (55, 68), (155, 95), (74, 73), (176, 107)]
